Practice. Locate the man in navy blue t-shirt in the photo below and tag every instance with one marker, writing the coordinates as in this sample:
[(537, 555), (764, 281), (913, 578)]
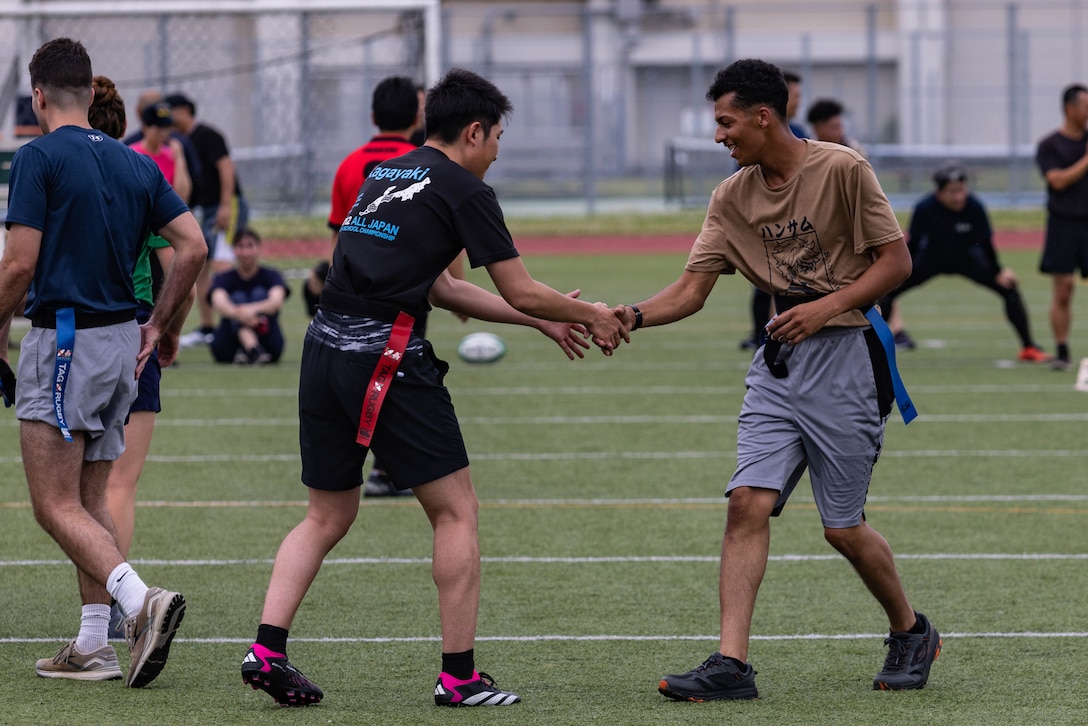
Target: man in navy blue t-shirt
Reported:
[(80, 207)]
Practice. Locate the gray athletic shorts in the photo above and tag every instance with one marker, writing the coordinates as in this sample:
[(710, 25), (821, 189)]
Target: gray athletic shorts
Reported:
[(100, 389), (825, 416)]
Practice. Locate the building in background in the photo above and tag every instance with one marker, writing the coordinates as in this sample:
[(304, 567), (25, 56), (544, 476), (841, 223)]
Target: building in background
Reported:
[(608, 94)]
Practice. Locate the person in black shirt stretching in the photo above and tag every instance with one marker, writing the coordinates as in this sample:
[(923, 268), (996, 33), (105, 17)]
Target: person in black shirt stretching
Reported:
[(950, 234)]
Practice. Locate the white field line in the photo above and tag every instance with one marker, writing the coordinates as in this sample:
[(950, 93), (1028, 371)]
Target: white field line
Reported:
[(635, 455), (698, 419), (596, 638), (604, 502), (673, 559), (1059, 388)]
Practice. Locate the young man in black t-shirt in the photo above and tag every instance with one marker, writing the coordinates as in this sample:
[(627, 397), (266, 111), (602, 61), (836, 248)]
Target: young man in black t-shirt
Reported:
[(1062, 158), (414, 215), (217, 193)]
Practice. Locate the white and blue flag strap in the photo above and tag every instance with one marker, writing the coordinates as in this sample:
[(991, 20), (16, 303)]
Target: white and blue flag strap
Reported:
[(902, 398), (66, 343)]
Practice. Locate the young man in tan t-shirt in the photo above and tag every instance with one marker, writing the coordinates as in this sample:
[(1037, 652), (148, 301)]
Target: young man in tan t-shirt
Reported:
[(807, 222)]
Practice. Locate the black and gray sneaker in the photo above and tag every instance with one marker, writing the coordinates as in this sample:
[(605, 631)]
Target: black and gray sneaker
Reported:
[(909, 658), (273, 674), (717, 679)]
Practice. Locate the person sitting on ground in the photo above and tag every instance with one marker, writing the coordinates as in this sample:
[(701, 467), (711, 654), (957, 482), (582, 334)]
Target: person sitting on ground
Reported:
[(249, 298), (950, 234)]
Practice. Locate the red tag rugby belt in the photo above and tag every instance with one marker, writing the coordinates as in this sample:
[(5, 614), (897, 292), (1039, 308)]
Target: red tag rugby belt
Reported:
[(384, 374)]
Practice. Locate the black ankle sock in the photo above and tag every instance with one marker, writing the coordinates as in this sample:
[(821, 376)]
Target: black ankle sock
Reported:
[(919, 626), (741, 665), (1063, 351), (459, 665), (273, 638)]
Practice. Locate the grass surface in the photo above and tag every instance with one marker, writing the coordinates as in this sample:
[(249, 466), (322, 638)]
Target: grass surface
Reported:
[(601, 516)]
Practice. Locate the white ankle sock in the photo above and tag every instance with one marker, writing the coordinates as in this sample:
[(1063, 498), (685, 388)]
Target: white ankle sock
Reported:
[(94, 626), (127, 589)]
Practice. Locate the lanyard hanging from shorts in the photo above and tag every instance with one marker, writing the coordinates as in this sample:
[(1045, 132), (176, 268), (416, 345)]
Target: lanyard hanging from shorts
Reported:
[(887, 340), (902, 398), (66, 343), (384, 375)]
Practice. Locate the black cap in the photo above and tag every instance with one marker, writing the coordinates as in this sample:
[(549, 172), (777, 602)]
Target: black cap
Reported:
[(157, 114), (949, 171), (180, 99)]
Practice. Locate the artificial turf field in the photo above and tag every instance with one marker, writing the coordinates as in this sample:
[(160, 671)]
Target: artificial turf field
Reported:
[(601, 517)]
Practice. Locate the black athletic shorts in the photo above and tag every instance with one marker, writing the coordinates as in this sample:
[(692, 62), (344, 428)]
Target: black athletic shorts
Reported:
[(417, 437), (1066, 248)]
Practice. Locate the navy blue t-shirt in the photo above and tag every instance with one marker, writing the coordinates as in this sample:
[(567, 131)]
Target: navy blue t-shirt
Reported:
[(94, 201), (414, 215), (254, 289)]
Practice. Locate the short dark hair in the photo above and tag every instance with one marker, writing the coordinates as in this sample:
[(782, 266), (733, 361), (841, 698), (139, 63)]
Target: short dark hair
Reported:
[(249, 232), (824, 110), (63, 67), (1070, 93), (180, 100), (395, 103), (752, 82), (461, 98), (948, 172), (791, 77)]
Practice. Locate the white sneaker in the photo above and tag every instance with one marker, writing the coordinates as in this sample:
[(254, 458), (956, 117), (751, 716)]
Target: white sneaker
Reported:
[(195, 338)]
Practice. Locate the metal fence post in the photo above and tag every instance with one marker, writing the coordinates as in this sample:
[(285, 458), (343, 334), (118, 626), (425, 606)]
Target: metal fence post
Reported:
[(589, 168)]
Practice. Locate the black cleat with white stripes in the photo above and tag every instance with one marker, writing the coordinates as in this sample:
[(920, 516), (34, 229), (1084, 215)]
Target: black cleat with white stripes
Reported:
[(481, 691)]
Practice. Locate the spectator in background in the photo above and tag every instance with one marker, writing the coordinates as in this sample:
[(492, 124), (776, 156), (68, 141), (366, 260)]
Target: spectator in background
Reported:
[(1062, 158), (169, 154), (219, 199), (192, 161), (825, 119), (249, 299), (793, 104), (950, 234)]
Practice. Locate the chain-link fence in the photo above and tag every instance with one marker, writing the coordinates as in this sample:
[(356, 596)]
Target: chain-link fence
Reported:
[(608, 94)]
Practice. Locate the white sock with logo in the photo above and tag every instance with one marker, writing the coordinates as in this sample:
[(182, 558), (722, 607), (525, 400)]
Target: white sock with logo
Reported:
[(94, 627), (127, 589)]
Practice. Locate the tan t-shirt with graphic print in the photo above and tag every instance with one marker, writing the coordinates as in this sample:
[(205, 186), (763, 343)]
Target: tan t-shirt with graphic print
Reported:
[(812, 235)]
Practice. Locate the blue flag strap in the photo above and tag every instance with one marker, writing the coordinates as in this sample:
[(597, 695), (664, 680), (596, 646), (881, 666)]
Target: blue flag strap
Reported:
[(66, 343), (902, 398)]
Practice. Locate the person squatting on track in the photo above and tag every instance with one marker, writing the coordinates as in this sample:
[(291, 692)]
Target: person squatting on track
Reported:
[(413, 216), (806, 221), (80, 360)]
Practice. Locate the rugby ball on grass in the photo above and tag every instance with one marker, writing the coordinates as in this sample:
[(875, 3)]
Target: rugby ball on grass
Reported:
[(481, 348)]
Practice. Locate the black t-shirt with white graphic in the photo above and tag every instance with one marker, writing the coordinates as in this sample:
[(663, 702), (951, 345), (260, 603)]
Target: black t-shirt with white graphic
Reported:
[(414, 215)]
